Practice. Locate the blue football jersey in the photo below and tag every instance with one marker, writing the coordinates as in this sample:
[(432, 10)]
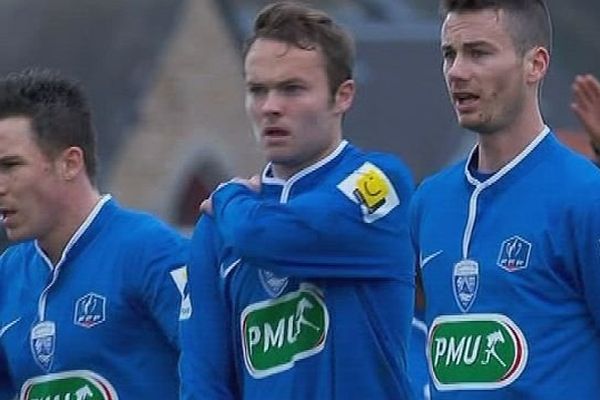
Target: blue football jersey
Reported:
[(511, 270), (417, 362), (304, 290), (103, 322)]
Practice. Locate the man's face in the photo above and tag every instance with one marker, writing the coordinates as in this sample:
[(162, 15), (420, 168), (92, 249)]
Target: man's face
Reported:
[(289, 104), (29, 186), (485, 76)]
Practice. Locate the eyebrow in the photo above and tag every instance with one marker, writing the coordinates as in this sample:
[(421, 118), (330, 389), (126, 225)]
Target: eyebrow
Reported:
[(475, 43), (276, 84), (11, 158)]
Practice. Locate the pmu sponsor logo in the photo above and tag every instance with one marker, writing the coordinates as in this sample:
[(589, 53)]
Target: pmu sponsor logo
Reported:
[(71, 385), (475, 351), (276, 333)]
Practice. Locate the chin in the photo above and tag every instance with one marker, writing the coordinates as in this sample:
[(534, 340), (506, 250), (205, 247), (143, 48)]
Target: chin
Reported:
[(475, 126), (13, 236), (18, 235), (278, 157)]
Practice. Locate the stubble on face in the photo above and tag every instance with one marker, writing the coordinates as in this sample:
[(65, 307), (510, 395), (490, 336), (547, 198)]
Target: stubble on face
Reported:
[(482, 69)]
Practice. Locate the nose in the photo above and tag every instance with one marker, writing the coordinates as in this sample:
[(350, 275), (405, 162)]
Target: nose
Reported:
[(3, 185), (456, 69), (272, 104)]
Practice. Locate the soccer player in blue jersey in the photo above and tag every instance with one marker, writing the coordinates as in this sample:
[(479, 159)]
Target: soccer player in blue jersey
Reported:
[(508, 239), (301, 281), (91, 296)]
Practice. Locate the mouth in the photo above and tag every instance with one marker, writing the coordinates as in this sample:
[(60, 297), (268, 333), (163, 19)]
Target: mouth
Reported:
[(464, 101), (275, 136), (5, 214), (275, 132)]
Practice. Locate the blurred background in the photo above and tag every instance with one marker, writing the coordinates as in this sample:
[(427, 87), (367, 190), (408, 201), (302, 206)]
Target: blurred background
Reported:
[(166, 86)]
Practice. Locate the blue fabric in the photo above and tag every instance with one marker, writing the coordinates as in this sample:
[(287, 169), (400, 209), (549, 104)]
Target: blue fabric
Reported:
[(536, 241), (118, 273), (417, 361), (304, 238)]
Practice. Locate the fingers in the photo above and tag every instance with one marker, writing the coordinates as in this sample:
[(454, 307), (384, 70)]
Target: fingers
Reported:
[(593, 86), (586, 104), (586, 92), (206, 206), (580, 101), (252, 183)]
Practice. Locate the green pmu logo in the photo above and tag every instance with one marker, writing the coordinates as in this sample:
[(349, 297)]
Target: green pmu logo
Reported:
[(475, 351), (71, 385), (278, 332)]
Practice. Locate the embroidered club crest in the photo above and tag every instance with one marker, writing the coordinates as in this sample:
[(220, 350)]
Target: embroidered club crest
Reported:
[(90, 310), (42, 342), (465, 282), (273, 284), (514, 254)]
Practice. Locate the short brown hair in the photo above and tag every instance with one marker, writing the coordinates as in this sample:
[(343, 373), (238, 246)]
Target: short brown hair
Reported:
[(57, 108), (308, 29), (530, 19)]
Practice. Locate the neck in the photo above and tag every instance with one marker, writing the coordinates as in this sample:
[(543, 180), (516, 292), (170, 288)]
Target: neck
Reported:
[(496, 149), (77, 207), (286, 171)]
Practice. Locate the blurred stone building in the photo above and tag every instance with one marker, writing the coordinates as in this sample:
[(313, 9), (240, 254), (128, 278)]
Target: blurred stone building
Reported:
[(165, 80)]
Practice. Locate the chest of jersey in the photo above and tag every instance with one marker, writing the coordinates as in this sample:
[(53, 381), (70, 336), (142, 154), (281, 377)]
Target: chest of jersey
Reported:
[(75, 319)]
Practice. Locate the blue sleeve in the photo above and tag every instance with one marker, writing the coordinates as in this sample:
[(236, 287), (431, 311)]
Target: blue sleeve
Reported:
[(417, 361), (413, 223), (322, 233), (6, 390), (162, 290), (585, 232), (207, 364)]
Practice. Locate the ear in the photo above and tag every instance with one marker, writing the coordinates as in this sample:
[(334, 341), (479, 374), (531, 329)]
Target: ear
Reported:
[(344, 96), (71, 163), (537, 62)]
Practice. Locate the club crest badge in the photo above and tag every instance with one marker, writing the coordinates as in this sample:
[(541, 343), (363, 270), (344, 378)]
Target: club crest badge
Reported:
[(273, 284), (90, 310), (43, 343), (465, 282), (514, 254)]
